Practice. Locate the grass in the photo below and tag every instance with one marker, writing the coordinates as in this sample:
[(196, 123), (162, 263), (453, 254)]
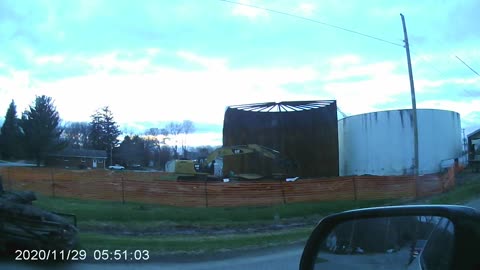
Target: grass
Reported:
[(161, 245), (116, 217), (104, 211), (459, 195), (144, 217)]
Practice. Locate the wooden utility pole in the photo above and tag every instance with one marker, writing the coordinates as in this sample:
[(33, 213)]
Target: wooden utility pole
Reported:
[(414, 103)]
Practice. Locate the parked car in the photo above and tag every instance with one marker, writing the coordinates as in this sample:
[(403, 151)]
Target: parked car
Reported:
[(116, 167), (135, 167)]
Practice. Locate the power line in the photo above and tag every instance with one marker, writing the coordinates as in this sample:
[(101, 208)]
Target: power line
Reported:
[(315, 21), (468, 92), (467, 66)]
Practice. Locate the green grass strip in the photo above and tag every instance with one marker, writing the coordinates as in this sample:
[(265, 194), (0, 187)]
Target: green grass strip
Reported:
[(86, 210), (458, 195), (191, 244)]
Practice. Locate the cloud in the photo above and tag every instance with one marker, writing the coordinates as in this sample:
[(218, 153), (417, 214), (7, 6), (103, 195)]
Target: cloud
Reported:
[(360, 86), (464, 108), (306, 9), (345, 60), (138, 89), (358, 69), (17, 85), (244, 10), (209, 63), (200, 139)]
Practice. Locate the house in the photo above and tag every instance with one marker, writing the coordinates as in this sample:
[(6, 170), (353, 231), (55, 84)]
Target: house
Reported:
[(474, 145), (77, 158), (474, 150)]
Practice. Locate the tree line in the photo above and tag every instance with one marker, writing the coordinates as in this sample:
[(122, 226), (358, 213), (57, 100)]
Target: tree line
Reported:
[(39, 132)]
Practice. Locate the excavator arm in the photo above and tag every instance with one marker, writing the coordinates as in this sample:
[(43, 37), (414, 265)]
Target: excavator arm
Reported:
[(242, 150)]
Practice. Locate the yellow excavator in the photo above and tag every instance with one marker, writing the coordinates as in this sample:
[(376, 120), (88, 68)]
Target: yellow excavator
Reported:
[(204, 167)]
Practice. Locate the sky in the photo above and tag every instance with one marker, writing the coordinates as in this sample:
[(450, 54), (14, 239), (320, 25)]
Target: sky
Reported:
[(157, 61)]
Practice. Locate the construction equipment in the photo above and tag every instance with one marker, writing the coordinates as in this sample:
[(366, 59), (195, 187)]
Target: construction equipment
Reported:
[(204, 167), (25, 226)]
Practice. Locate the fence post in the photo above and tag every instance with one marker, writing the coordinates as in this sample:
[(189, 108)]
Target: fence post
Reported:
[(9, 178), (206, 192), (123, 190), (443, 179), (415, 177), (283, 191), (355, 195), (52, 174)]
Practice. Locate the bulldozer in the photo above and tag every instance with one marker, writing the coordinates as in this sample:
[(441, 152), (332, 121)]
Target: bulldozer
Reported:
[(25, 226), (203, 168)]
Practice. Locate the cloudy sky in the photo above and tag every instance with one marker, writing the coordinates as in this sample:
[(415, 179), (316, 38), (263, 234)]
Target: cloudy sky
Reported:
[(158, 61)]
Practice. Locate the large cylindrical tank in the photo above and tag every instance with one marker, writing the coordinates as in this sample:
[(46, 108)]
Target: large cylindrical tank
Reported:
[(304, 132), (381, 143)]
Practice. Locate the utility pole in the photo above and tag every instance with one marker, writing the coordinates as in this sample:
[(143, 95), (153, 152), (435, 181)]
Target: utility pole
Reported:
[(414, 103)]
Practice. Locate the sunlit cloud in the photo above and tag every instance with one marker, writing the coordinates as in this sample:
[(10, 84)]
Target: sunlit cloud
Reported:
[(306, 9), (209, 63), (140, 91), (246, 11), (49, 59)]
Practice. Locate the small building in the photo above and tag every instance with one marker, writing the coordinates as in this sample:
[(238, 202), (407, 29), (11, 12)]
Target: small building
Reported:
[(71, 158), (474, 150), (474, 145)]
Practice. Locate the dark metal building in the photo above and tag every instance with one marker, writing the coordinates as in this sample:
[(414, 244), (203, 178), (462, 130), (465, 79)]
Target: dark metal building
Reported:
[(305, 132), (474, 150)]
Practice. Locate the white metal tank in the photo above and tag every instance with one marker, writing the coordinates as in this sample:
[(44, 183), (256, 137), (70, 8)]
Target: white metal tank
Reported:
[(381, 143)]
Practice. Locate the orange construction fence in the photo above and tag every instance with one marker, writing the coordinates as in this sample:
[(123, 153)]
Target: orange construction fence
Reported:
[(146, 187)]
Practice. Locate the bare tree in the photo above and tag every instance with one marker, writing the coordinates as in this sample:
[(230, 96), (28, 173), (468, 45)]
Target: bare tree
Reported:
[(174, 130), (187, 128), (153, 132), (76, 134), (164, 132)]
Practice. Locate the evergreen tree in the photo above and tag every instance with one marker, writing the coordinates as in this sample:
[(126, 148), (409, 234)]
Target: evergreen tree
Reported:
[(40, 129), (10, 146), (104, 131)]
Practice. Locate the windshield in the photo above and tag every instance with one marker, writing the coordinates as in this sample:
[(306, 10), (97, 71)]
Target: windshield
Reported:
[(213, 134)]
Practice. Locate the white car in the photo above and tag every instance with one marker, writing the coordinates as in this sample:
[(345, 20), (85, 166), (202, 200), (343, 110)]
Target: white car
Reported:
[(116, 167)]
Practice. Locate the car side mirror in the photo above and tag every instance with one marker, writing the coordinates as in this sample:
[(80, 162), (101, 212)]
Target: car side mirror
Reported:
[(396, 237)]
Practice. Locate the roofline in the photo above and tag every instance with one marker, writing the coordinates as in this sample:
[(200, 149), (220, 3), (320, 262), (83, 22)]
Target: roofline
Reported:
[(393, 110), (57, 155), (473, 133), (279, 102)]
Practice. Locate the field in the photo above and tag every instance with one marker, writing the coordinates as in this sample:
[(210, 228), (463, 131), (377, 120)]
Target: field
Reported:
[(172, 230), (178, 230), (167, 230)]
